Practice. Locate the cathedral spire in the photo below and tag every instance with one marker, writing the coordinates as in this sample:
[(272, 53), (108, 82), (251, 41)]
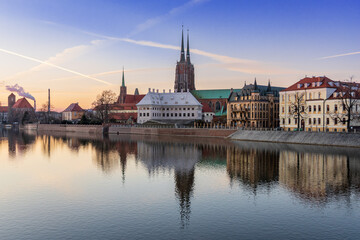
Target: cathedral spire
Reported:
[(269, 87), (188, 48), (123, 79), (182, 55), (255, 85)]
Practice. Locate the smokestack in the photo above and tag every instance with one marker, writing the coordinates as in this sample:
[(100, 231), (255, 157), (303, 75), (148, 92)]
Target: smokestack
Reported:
[(35, 105), (49, 101)]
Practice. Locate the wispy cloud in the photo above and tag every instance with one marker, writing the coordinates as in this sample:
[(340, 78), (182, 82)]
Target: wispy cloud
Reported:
[(227, 62), (66, 54), (158, 19), (340, 55)]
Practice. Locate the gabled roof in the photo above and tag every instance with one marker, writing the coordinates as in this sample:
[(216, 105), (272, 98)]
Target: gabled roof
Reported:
[(248, 89), (170, 99), (3, 109), (22, 103), (74, 107), (307, 83), (212, 93), (133, 98)]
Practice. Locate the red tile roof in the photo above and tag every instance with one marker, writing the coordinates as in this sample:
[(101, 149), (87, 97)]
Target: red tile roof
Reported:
[(123, 116), (3, 109), (133, 98), (74, 107), (300, 85), (206, 108), (123, 106), (22, 103)]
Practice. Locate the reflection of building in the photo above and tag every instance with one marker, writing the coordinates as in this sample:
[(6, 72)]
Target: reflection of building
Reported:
[(254, 106), (165, 157), (314, 176), (73, 112), (251, 166)]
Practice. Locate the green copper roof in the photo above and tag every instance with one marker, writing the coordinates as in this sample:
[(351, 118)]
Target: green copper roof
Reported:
[(212, 94), (123, 79)]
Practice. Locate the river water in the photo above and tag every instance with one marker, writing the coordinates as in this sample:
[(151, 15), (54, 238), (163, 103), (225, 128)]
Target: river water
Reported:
[(61, 186)]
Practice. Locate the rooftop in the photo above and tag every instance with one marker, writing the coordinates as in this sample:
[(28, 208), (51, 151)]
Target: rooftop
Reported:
[(22, 103), (74, 107), (212, 93)]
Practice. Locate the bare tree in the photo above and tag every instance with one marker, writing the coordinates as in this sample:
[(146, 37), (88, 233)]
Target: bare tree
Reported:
[(348, 93), (298, 109), (101, 104)]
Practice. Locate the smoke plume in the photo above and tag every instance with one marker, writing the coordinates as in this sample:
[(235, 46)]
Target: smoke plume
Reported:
[(20, 91)]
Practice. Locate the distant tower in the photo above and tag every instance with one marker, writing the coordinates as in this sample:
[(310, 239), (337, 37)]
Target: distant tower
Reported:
[(122, 90), (11, 102), (184, 75)]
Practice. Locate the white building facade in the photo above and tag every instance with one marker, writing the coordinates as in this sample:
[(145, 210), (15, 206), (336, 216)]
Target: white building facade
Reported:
[(179, 107), (321, 100)]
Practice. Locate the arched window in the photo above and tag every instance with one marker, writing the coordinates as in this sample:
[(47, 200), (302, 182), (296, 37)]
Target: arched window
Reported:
[(217, 106)]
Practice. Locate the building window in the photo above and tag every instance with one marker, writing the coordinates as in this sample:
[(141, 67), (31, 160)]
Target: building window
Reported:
[(314, 121), (309, 121), (167, 114), (172, 115), (319, 108), (343, 121), (319, 121), (309, 108), (344, 107), (193, 114), (289, 120), (148, 114), (327, 108), (314, 108), (179, 114), (335, 121), (327, 121), (283, 121), (335, 107)]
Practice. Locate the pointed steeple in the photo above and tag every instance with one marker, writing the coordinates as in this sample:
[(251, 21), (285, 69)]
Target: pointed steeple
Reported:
[(269, 87), (123, 79), (182, 54), (188, 48), (255, 85), (245, 84)]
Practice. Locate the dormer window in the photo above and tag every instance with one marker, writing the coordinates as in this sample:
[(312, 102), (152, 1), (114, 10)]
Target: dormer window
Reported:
[(319, 84), (335, 94), (299, 85), (306, 85), (331, 84), (313, 84)]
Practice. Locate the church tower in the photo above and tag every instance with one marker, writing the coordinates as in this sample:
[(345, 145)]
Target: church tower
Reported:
[(185, 74), (122, 90)]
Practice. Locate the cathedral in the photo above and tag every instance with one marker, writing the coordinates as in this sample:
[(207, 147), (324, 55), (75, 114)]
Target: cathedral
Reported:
[(184, 75)]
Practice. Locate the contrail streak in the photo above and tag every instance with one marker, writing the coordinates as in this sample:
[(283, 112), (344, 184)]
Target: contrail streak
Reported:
[(53, 65), (340, 55)]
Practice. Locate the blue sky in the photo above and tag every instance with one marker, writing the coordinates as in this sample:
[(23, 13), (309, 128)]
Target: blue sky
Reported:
[(231, 42)]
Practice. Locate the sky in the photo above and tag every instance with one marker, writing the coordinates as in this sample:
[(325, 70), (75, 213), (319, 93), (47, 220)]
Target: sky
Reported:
[(78, 48)]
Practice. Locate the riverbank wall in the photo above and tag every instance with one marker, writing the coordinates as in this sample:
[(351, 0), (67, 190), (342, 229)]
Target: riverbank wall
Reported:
[(193, 132), (93, 129), (310, 138)]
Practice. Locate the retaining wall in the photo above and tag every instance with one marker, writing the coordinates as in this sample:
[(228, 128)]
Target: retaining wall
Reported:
[(312, 138), (196, 132), (96, 129)]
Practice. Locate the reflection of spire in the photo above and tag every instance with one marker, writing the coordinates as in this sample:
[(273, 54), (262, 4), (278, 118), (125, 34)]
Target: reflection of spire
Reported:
[(184, 186), (123, 160)]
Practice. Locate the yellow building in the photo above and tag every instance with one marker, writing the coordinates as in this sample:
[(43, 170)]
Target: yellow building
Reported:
[(73, 112), (254, 106)]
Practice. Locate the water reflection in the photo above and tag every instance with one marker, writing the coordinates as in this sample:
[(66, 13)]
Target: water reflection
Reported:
[(311, 174)]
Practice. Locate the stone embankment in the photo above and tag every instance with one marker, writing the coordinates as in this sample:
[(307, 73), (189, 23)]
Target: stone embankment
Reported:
[(94, 129), (310, 138), (194, 132)]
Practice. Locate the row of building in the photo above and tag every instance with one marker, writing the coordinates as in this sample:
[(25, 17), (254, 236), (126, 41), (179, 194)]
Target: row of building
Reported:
[(311, 104)]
